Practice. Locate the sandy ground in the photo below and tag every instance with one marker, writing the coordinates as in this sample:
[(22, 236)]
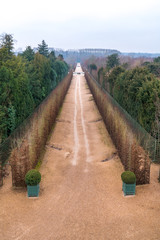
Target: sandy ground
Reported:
[(81, 196)]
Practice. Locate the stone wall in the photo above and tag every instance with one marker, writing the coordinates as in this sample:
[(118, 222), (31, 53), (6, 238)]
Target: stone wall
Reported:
[(29, 139), (132, 155)]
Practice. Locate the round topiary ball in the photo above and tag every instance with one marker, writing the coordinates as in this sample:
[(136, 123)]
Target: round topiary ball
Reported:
[(128, 177), (33, 177)]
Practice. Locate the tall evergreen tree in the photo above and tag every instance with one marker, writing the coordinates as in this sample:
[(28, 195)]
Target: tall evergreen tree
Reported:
[(112, 61), (60, 57), (43, 49), (8, 43), (24, 83), (28, 54), (52, 56)]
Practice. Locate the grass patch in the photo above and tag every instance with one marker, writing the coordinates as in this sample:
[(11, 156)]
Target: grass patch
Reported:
[(40, 160), (37, 167), (86, 85), (91, 98)]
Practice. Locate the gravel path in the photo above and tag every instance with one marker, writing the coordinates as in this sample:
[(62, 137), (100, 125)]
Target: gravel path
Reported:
[(80, 195)]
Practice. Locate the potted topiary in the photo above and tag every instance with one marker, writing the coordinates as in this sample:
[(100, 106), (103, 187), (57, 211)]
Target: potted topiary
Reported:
[(129, 183), (32, 179)]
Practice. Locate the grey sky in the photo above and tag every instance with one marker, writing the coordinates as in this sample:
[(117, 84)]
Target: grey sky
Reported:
[(117, 24)]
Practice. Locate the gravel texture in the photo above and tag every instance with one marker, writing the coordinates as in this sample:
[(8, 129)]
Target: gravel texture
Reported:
[(80, 195)]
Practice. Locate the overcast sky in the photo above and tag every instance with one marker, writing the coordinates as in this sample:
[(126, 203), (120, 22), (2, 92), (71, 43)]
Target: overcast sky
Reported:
[(125, 25)]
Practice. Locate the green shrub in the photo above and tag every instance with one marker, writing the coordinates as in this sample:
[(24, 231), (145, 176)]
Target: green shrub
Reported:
[(159, 176), (33, 177), (128, 177)]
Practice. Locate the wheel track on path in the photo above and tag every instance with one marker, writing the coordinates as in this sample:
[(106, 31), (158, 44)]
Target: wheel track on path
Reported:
[(76, 138)]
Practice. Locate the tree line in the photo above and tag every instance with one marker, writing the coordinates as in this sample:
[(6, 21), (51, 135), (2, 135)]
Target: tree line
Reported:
[(137, 90), (25, 80)]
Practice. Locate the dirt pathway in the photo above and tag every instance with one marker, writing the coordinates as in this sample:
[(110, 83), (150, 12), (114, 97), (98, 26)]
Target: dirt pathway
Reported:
[(81, 196)]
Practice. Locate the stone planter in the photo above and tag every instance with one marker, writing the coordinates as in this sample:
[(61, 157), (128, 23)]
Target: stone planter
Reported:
[(129, 189), (33, 191)]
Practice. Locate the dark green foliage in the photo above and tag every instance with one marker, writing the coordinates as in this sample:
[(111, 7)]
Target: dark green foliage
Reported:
[(6, 77), (3, 55), (20, 96), (11, 118), (25, 80), (159, 176), (5, 99), (43, 49), (100, 74), (60, 57), (93, 67), (52, 58), (7, 42), (28, 54), (53, 77), (61, 69), (153, 68), (113, 76), (33, 177), (40, 78), (44, 74), (112, 61), (136, 90), (157, 60), (3, 123), (128, 177)]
